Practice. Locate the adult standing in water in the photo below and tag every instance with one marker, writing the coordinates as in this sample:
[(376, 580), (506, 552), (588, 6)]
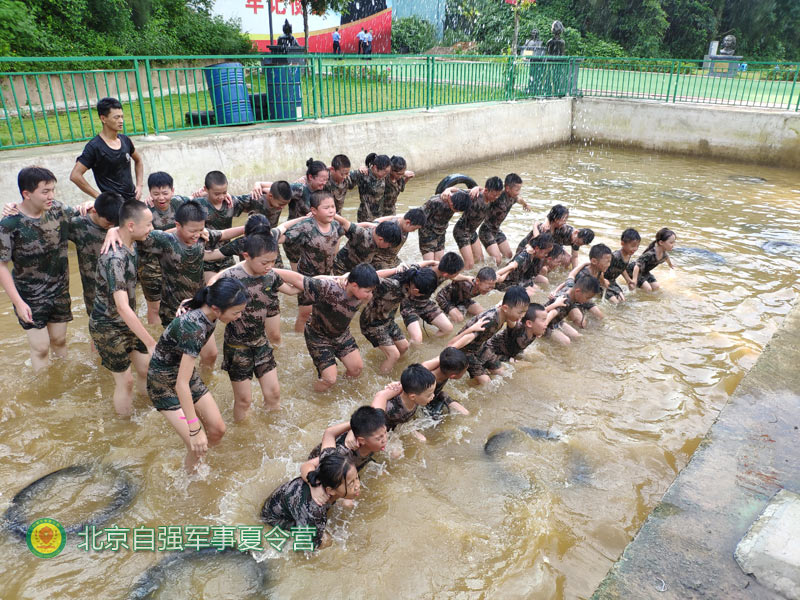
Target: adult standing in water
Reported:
[(109, 155)]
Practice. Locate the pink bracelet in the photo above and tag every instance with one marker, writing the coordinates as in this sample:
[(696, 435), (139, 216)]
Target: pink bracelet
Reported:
[(195, 420), (182, 418)]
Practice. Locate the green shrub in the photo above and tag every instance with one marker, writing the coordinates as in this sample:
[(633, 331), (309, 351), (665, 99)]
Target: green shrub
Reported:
[(412, 35)]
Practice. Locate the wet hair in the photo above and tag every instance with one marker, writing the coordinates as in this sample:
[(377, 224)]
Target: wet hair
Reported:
[(398, 163), (331, 471), (416, 379), (256, 223), (557, 250), (557, 211), (599, 251), (106, 105), (512, 179), (379, 161), (260, 243), (533, 308), (126, 211), (416, 216), (340, 161), (451, 263), (364, 276), (461, 201), (543, 240), (487, 274), (390, 232), (223, 294), (29, 178), (367, 420), (316, 198), (108, 205), (159, 179), (313, 167), (281, 189), (586, 235), (215, 178), (494, 184), (452, 361), (190, 211), (587, 283), (424, 279), (662, 235), (630, 235), (515, 295)]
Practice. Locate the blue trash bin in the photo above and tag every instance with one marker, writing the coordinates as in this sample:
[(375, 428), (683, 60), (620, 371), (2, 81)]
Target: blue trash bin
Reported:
[(229, 93), (283, 93)]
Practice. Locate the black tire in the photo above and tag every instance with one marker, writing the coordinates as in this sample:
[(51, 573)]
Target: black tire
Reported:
[(124, 490), (156, 576), (455, 179)]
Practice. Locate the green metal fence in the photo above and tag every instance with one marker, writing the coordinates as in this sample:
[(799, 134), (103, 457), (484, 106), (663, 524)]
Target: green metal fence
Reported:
[(166, 94)]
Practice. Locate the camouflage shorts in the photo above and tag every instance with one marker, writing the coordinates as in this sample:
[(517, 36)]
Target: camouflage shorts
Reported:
[(430, 242), (489, 236), (161, 389), (380, 261), (475, 366), (382, 333), (648, 277), (414, 312), (218, 265), (464, 238), (490, 359), (324, 350), (242, 362), (613, 291), (504, 285), (114, 345), (150, 278), (439, 406), (49, 310)]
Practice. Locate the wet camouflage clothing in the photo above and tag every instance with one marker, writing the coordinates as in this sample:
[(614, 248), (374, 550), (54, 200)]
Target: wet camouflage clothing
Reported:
[(235, 247), (615, 269), (339, 191), (300, 204), (562, 235), (432, 235), (327, 332), (570, 283), (490, 232), (390, 194), (241, 361), (528, 267), (370, 193), (562, 311), (457, 294), (149, 267), (313, 250), (291, 505), (472, 350), (647, 261), (263, 293), (262, 207), (116, 271), (440, 405), (414, 309), (38, 249), (186, 334), (88, 238), (507, 344), (341, 448), (386, 258), (377, 319), (222, 218), (360, 248), (465, 231), (397, 413), (182, 266)]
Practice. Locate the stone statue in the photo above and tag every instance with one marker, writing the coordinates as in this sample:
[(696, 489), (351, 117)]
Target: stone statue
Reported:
[(287, 41), (555, 45), (534, 46), (728, 46)]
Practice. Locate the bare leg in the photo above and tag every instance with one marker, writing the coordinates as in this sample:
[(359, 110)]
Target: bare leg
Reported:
[(438, 255), (493, 251), (272, 325), (326, 380), (209, 415), (353, 363), (415, 332), (475, 309), (58, 339), (466, 253), (443, 324), (242, 398), (570, 331), (455, 315), (123, 392), (646, 286), (559, 337), (477, 251), (596, 312), (140, 363), (271, 389), (303, 314), (576, 316), (392, 355), (152, 312), (505, 249), (39, 341), (428, 256)]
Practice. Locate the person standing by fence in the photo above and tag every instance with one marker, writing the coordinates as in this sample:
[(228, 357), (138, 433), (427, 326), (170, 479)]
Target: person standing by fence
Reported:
[(337, 38), (109, 155)]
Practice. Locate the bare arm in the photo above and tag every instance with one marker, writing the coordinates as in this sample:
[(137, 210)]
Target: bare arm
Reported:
[(289, 290), (198, 441), (293, 278), (382, 397), (138, 169), (7, 281), (331, 433), (77, 177), (231, 232), (132, 320), (342, 221)]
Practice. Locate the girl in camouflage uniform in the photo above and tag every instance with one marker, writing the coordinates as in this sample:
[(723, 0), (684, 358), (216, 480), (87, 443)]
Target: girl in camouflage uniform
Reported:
[(371, 187), (395, 184)]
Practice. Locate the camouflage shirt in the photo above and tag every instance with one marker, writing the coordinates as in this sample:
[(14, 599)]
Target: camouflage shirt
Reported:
[(385, 300), (291, 505), (317, 249), (341, 448), (492, 326), (88, 238), (393, 190), (498, 211), (562, 311), (472, 218), (38, 249), (455, 294), (419, 302), (332, 308), (647, 261), (165, 219), (186, 334), (235, 247), (116, 270), (360, 248), (222, 217), (300, 203), (386, 258), (397, 413), (617, 266), (508, 343), (528, 267), (563, 236), (370, 192), (181, 265), (438, 214), (339, 191), (262, 290)]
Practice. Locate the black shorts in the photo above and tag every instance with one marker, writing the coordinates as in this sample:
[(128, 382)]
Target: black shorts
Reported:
[(613, 291), (57, 309)]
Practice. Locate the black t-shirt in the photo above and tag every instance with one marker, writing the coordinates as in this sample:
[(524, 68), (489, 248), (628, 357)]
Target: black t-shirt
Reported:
[(111, 168)]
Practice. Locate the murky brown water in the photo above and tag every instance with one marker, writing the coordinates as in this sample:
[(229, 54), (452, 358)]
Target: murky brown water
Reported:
[(546, 519)]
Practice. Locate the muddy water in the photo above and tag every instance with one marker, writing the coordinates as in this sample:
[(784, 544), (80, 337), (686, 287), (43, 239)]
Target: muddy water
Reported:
[(536, 518)]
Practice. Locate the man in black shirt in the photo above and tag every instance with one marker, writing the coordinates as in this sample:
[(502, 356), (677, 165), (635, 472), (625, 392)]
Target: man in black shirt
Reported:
[(109, 156)]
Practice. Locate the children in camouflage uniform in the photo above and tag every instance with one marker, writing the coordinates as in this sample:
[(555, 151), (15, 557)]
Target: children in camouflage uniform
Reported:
[(526, 267), (371, 186), (401, 400), (655, 254), (117, 333), (629, 241), (450, 364), (465, 231), (457, 298), (363, 243), (490, 234), (568, 299), (395, 184), (510, 342), (438, 211), (386, 258)]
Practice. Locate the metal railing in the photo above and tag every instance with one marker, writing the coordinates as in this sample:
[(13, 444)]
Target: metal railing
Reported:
[(173, 93)]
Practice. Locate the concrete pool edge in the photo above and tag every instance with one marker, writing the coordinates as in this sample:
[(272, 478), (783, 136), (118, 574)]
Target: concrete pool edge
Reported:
[(685, 547)]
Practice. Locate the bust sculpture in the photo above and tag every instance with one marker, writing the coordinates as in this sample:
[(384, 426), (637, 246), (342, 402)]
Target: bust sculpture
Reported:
[(555, 45), (728, 46)]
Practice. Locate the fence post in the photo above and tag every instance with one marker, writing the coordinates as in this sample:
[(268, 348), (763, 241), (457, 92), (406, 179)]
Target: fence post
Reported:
[(510, 78), (677, 77), (140, 94), (791, 92), (319, 87), (669, 83), (429, 83), (310, 62), (148, 74)]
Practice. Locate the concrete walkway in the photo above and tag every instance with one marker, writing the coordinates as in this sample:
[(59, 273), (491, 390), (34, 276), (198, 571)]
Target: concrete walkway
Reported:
[(685, 548)]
